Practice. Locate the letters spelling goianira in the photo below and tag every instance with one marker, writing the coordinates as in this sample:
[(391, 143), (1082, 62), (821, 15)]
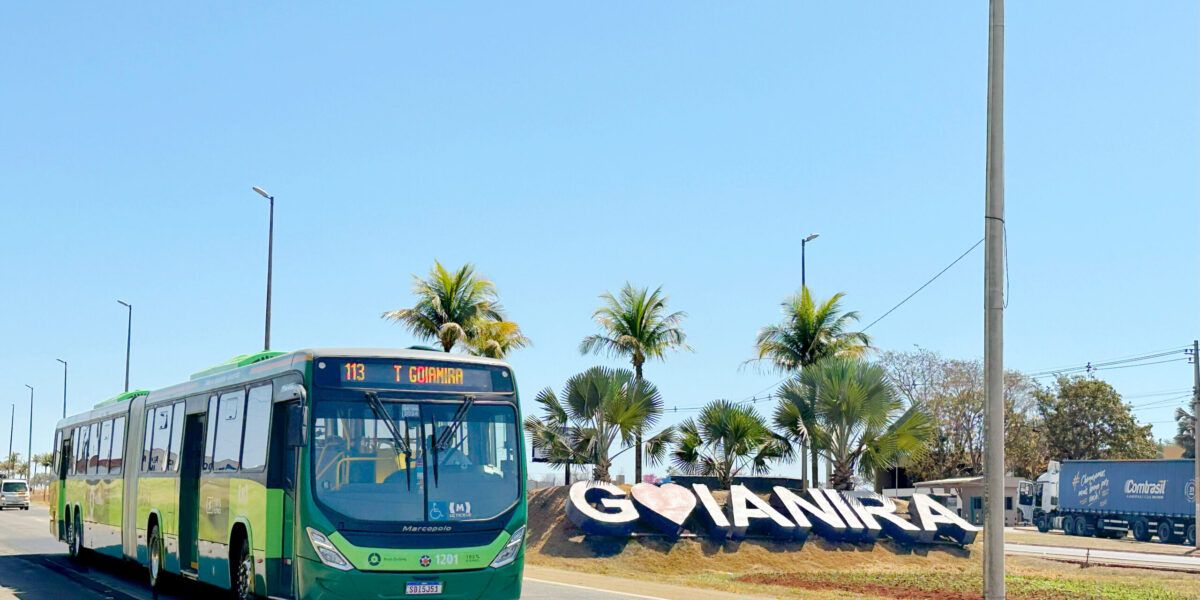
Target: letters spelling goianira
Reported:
[(600, 508)]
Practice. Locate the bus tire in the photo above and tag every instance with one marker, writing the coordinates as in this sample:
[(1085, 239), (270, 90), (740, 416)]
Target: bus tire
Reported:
[(242, 576), (1166, 531), (69, 533), (1141, 529), (77, 538), (155, 558)]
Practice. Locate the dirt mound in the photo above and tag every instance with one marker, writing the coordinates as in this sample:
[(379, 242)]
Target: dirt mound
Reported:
[(555, 542)]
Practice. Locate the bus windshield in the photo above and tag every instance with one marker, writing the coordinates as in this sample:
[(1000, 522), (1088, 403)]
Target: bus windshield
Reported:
[(361, 471)]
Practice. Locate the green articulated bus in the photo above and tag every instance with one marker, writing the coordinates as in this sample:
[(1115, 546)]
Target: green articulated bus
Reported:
[(325, 473)]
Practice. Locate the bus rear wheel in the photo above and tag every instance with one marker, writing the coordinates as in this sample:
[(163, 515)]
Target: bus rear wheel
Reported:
[(243, 573), (77, 538), (156, 558)]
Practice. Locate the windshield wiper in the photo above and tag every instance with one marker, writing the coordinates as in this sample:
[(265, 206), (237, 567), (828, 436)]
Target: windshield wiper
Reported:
[(400, 444), (443, 440)]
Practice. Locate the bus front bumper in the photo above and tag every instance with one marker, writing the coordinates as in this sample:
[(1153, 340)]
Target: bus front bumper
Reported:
[(319, 582)]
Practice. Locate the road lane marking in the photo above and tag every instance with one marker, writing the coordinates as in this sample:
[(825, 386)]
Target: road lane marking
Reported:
[(594, 589)]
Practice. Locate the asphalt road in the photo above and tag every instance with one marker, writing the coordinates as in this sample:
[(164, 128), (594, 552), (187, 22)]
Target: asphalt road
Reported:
[(33, 566)]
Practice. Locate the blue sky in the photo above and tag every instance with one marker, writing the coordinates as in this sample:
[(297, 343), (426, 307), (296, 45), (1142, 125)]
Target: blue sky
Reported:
[(568, 149)]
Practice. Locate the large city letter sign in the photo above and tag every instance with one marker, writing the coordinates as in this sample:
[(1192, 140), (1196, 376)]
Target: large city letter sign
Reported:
[(599, 508)]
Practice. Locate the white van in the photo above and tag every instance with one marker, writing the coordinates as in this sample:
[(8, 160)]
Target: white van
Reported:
[(14, 493)]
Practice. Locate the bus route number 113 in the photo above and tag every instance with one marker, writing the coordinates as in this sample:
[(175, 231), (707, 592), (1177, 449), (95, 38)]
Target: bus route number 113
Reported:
[(356, 372)]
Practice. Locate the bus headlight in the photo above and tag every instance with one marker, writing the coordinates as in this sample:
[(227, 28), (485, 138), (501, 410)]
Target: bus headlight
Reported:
[(509, 552), (326, 551)]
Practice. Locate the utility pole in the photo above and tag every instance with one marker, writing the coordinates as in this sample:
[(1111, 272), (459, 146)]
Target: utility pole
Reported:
[(803, 447), (993, 301), (128, 339), (64, 386), (1196, 432), (270, 257), (12, 420), (29, 454)]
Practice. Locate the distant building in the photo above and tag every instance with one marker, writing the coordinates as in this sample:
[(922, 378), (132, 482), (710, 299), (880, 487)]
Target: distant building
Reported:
[(1172, 452), (969, 491)]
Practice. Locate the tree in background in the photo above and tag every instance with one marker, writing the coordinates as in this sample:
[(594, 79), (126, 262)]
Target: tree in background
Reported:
[(862, 425), (451, 305), (636, 324), (809, 332), (725, 440), (598, 408), (1187, 432), (496, 339), (46, 460), (1086, 419), (951, 391), (13, 466)]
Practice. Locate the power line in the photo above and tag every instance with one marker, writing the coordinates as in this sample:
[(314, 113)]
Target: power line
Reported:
[(923, 286), (1138, 356)]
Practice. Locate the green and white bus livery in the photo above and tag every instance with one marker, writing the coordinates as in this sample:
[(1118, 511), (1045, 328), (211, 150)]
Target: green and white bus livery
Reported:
[(325, 473)]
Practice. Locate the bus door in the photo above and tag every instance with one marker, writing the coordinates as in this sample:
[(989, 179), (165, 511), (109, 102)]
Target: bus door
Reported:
[(59, 502), (189, 492), (286, 443)]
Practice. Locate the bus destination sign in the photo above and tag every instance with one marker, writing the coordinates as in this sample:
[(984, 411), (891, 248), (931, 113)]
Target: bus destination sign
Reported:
[(411, 375)]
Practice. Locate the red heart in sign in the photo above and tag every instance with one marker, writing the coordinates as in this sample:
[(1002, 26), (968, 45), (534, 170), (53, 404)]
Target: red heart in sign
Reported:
[(673, 502)]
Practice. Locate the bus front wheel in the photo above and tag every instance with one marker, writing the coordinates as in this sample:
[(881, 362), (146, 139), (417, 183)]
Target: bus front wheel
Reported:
[(243, 574)]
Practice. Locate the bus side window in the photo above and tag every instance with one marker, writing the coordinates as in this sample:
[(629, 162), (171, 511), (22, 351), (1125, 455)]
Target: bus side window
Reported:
[(57, 445), (74, 458), (93, 461), (116, 459), (105, 447), (258, 421), (81, 448), (162, 437), (176, 438), (148, 439), (210, 435), (228, 447)]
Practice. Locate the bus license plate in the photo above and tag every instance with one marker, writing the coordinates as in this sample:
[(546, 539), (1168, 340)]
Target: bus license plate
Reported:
[(422, 588)]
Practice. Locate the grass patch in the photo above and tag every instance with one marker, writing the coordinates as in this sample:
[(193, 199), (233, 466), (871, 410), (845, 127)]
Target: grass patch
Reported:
[(941, 585)]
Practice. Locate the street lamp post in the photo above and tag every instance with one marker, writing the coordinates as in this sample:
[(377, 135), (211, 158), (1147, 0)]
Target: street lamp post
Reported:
[(29, 454), (128, 337), (270, 249), (12, 420), (64, 386), (804, 242)]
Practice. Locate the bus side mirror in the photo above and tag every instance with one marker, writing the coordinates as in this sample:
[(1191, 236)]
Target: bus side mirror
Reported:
[(297, 425)]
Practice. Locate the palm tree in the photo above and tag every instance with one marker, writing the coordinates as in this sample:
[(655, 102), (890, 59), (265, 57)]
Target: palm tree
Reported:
[(450, 305), (598, 408), (46, 459), (851, 412), (496, 339), (725, 440), (636, 325), (809, 332)]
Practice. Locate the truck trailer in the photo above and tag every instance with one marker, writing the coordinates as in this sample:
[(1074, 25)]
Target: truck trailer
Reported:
[(1109, 498)]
